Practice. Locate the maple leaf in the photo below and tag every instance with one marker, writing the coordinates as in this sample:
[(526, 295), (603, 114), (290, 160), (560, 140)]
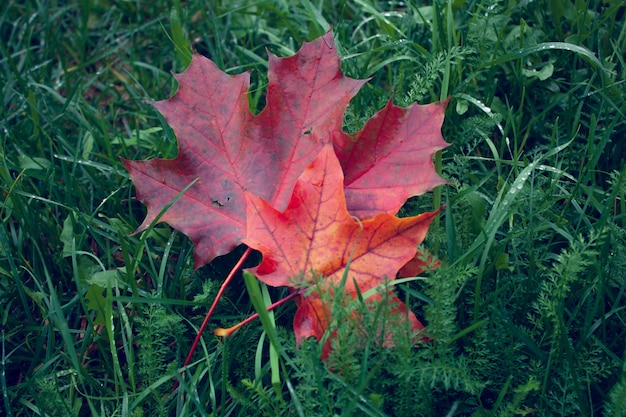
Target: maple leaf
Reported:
[(390, 159), (317, 234), (228, 150)]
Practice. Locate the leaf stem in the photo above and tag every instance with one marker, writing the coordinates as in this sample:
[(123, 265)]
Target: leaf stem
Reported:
[(227, 332), (214, 305)]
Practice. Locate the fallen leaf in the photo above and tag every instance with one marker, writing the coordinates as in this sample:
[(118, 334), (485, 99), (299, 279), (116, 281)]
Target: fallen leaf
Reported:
[(274, 180), (316, 236)]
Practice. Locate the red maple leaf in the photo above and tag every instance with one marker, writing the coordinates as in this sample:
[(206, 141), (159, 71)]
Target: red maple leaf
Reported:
[(316, 234), (230, 150)]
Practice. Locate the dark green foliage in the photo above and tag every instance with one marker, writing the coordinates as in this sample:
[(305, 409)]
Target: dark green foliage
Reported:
[(158, 333), (526, 315)]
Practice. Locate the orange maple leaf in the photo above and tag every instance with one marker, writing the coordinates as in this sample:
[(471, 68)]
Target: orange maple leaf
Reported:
[(316, 234)]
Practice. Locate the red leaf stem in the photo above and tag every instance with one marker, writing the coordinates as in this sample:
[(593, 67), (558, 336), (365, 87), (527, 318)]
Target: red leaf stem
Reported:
[(214, 305), (227, 332)]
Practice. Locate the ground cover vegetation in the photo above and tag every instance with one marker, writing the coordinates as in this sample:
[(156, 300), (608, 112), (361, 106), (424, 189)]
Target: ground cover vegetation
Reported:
[(526, 313)]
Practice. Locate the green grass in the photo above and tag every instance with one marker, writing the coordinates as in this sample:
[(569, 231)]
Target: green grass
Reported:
[(527, 314)]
